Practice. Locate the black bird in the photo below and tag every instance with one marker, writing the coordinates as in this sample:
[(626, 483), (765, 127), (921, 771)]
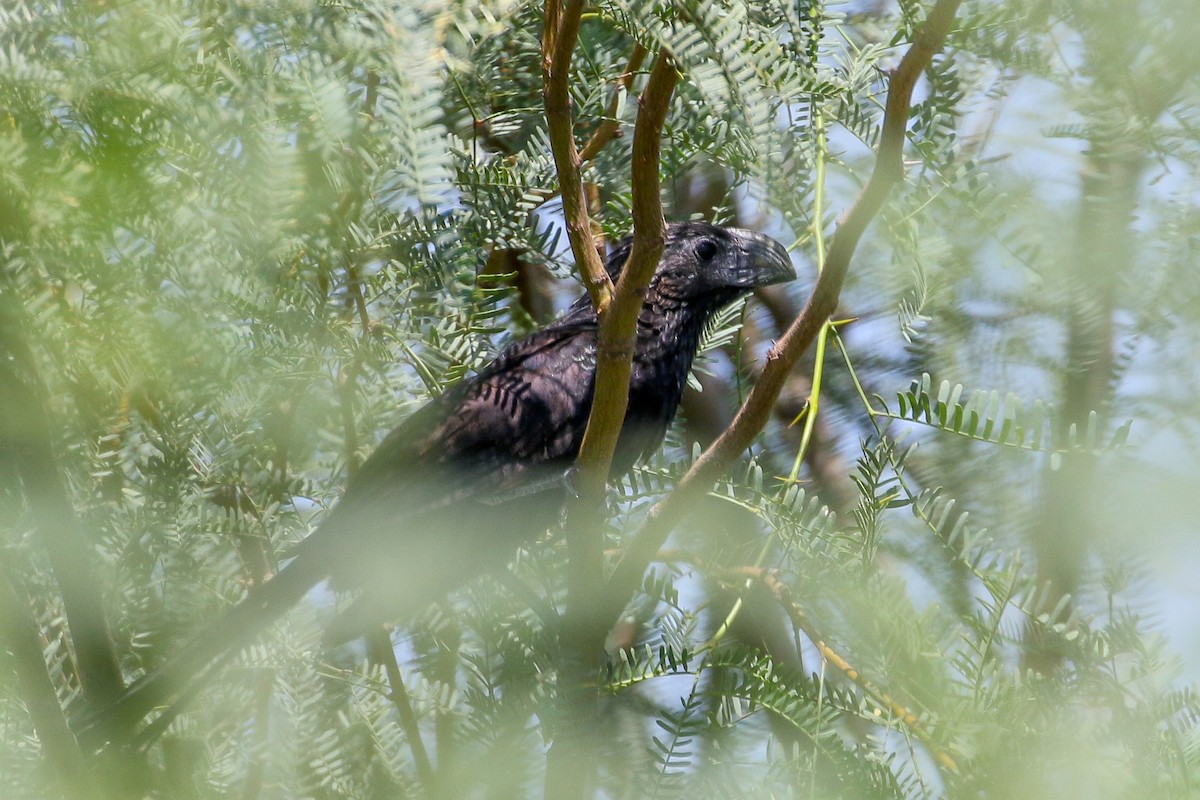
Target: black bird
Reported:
[(484, 467)]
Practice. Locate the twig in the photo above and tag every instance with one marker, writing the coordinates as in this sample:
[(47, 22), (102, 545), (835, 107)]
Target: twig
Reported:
[(347, 386), (608, 129), (610, 125), (799, 619), (889, 170), (381, 644)]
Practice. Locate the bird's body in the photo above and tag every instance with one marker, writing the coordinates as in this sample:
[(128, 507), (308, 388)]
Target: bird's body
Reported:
[(485, 466)]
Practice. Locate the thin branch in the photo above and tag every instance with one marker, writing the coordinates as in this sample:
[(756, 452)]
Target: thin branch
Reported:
[(799, 619), (610, 125), (889, 170), (558, 42), (25, 439), (381, 644), (609, 128)]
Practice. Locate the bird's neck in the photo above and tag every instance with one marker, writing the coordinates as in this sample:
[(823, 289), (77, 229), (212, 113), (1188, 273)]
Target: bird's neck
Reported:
[(668, 335), (670, 331)]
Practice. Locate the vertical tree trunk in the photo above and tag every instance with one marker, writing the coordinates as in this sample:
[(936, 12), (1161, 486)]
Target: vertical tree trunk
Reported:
[(1066, 514)]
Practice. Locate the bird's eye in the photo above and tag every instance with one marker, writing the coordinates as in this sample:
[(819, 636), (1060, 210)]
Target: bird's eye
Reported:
[(706, 249)]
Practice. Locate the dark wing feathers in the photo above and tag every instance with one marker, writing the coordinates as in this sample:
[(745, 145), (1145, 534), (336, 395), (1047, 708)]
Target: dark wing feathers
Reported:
[(527, 408), (522, 411)]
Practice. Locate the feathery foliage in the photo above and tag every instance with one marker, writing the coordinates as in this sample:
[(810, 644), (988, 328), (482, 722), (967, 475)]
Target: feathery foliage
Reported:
[(241, 242)]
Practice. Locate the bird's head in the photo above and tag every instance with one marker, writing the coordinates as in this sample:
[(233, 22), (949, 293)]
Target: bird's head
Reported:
[(702, 260)]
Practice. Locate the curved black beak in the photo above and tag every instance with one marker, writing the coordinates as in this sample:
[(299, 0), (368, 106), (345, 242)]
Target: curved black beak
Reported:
[(762, 261)]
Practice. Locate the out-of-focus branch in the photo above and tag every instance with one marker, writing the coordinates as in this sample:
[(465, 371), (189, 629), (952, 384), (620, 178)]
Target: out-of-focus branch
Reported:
[(379, 640), (889, 170), (25, 440), (1106, 245), (256, 772), (1065, 517), (19, 634), (558, 43), (533, 281), (380, 643)]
